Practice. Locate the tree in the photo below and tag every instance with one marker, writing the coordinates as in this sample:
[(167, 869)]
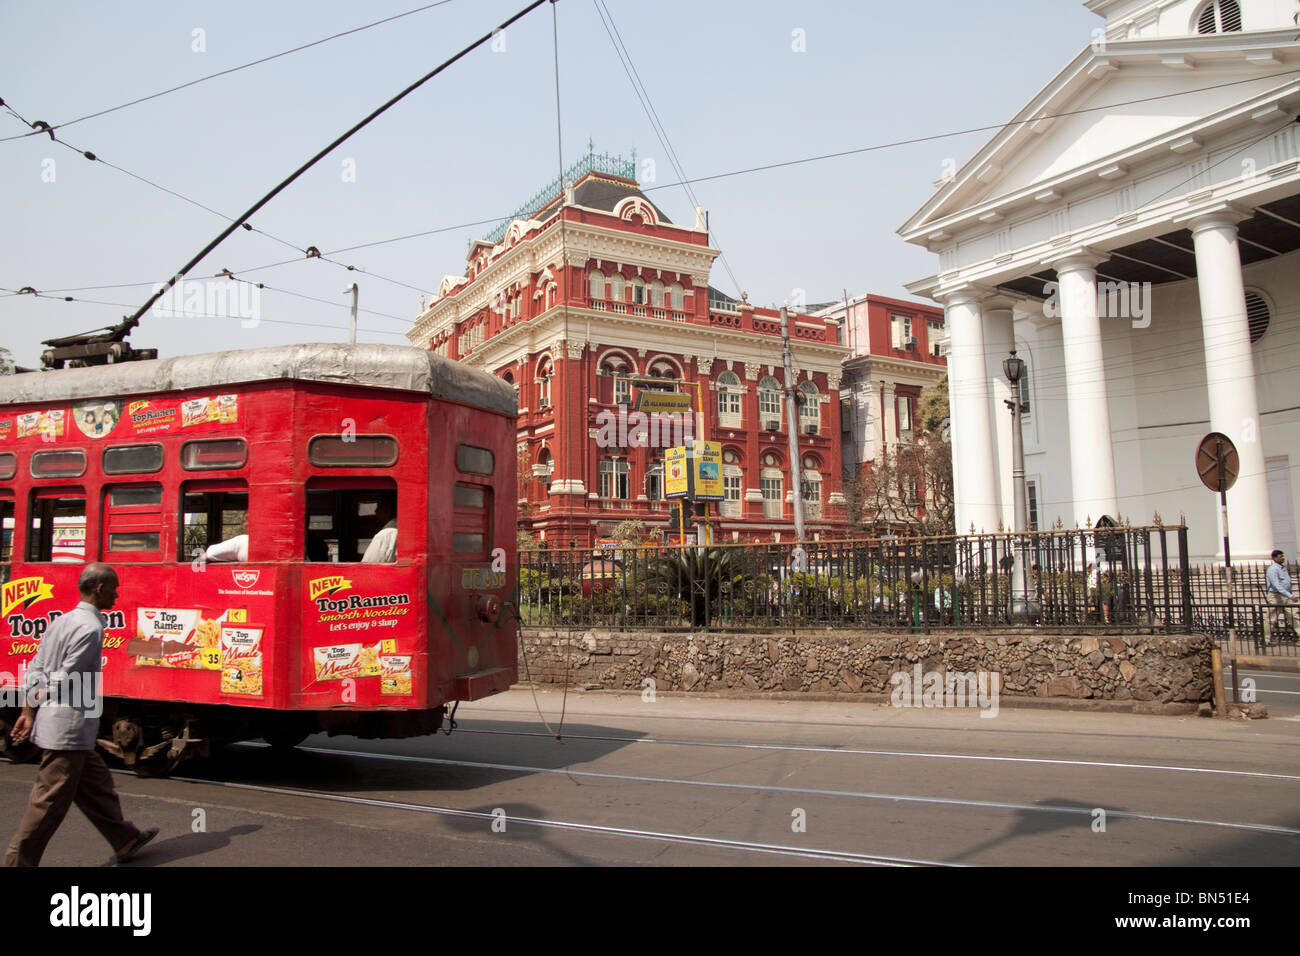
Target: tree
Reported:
[(632, 531), (6, 361), (908, 489)]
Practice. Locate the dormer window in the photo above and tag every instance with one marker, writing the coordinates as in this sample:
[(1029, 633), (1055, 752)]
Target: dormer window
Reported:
[(1220, 16)]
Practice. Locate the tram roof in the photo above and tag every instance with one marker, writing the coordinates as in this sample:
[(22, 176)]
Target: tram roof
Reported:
[(396, 367)]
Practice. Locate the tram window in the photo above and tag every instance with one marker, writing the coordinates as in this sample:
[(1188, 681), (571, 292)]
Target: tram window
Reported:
[(6, 529), (56, 526), (352, 451), (8, 465), (342, 521), (210, 516), (133, 521), (475, 460), (132, 459), (471, 520), (63, 463), (212, 454)]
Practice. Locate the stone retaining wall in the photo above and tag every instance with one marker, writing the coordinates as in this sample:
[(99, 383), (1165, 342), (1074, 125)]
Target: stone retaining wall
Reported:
[(1164, 669)]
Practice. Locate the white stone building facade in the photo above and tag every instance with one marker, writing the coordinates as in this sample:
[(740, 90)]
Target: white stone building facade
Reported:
[(1134, 232)]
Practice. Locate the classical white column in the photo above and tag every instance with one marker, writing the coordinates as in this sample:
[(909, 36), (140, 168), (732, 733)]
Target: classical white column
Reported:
[(999, 340), (1092, 457), (975, 487), (1230, 379)]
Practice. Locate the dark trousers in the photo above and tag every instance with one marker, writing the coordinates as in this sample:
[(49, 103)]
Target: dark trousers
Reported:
[(66, 777)]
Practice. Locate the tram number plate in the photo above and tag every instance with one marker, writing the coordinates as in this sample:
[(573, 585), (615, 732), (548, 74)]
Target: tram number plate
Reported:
[(482, 579), (212, 658)]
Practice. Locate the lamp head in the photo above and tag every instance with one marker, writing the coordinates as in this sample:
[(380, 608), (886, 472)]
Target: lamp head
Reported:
[(1013, 368)]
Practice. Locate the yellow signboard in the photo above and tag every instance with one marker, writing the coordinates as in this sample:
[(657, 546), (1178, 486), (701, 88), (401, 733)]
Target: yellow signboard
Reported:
[(648, 400), (707, 469), (694, 471), (677, 474)]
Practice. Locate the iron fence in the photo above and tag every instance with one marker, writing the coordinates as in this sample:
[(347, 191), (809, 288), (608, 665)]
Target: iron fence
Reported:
[(1135, 578), (1242, 620)]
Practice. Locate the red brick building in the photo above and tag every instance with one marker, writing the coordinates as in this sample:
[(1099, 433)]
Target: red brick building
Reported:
[(584, 292)]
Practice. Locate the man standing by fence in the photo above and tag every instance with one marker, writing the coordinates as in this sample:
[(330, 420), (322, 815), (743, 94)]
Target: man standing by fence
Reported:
[(1279, 592)]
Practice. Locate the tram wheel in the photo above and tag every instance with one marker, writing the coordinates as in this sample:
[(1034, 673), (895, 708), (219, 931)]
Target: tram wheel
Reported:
[(159, 765)]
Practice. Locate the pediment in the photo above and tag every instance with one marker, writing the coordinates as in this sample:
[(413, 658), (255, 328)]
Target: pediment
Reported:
[(1109, 109)]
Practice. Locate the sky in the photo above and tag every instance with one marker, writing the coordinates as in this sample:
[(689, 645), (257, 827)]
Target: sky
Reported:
[(734, 84)]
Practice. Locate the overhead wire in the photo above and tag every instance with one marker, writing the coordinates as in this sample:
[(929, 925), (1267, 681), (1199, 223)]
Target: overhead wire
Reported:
[(234, 69), (258, 320), (818, 158)]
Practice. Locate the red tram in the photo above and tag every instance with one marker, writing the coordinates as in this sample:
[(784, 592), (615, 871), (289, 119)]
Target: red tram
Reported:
[(308, 450)]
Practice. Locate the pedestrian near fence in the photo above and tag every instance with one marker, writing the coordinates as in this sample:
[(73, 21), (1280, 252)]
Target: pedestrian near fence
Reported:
[(61, 714), (1279, 593)]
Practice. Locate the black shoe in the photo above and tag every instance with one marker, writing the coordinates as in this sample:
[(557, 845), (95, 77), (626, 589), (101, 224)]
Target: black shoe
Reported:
[(128, 854)]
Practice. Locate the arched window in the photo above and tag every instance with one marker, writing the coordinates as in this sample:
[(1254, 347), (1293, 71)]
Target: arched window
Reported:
[(810, 486), (544, 374), (616, 287), (657, 294), (598, 285), (729, 400), (769, 399), (638, 290), (810, 412), (1220, 16), (676, 299)]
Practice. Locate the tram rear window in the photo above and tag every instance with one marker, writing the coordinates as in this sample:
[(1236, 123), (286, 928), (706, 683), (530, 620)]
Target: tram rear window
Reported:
[(475, 460), (210, 516), (8, 465), (56, 527), (352, 451), (64, 463), (471, 520), (342, 521), (6, 530), (213, 454), (132, 459)]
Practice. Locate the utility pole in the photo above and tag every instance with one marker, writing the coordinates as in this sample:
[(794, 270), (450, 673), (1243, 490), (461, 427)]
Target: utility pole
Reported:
[(353, 336), (792, 421)]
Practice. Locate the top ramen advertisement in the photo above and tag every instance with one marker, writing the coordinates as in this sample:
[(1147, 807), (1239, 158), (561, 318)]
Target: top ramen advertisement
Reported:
[(122, 420)]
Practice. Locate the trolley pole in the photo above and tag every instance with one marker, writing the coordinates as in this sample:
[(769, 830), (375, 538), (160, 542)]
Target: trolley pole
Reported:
[(353, 334), (792, 421)]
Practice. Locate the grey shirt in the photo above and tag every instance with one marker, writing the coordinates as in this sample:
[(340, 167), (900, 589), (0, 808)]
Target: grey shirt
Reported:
[(63, 681)]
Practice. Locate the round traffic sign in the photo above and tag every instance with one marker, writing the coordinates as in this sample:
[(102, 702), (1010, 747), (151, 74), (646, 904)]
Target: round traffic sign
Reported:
[(1217, 463)]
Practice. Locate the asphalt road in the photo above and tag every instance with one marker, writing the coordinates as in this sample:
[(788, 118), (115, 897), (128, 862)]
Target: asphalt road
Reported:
[(682, 780)]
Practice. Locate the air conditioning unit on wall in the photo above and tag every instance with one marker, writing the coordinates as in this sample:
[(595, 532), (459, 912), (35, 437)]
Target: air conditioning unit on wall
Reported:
[(772, 424), (810, 429)]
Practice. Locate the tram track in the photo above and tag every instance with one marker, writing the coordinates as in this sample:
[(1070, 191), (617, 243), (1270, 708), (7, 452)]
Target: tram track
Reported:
[(900, 798), (688, 839), (795, 748)]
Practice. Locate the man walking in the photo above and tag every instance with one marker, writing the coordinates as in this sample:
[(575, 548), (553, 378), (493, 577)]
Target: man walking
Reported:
[(61, 712), (1279, 592)]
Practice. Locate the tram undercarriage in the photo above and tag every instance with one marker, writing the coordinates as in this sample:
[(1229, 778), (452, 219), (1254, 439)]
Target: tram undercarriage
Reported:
[(153, 738)]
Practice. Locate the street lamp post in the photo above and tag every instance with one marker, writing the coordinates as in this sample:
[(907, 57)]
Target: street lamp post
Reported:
[(1024, 609)]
